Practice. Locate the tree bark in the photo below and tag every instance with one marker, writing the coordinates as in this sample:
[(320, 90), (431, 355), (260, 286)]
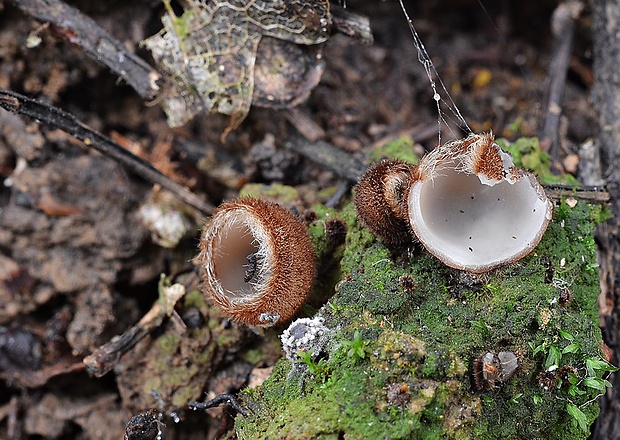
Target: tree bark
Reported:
[(606, 99)]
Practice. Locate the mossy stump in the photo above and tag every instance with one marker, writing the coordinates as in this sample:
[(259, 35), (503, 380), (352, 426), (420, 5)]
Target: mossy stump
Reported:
[(405, 334)]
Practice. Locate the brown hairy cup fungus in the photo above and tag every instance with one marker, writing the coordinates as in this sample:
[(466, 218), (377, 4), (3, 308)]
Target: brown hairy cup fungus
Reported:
[(380, 201), (258, 261), (473, 209)]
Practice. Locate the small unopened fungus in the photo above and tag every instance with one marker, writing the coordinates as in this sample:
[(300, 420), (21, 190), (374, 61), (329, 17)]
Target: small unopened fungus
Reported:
[(258, 261), (380, 201), (473, 209)]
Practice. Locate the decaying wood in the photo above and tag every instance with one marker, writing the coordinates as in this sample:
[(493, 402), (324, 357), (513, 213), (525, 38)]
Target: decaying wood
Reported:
[(328, 156), (104, 358), (591, 194), (563, 26)]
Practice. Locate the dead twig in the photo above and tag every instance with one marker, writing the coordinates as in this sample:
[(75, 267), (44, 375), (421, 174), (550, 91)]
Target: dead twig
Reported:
[(107, 356), (563, 27), (304, 124), (328, 156), (13, 425), (351, 24), (103, 359), (97, 43), (68, 123), (38, 378), (342, 190), (217, 401), (592, 194), (350, 168)]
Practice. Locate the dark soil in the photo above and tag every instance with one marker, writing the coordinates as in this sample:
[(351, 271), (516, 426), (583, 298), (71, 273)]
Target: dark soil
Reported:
[(78, 265)]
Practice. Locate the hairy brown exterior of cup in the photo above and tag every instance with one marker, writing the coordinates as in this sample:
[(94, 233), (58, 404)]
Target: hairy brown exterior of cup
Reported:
[(279, 265), (380, 201)]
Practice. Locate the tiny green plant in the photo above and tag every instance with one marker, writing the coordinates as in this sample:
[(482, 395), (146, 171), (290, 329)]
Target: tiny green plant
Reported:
[(595, 378), (358, 347), (578, 416), (335, 307), (481, 326), (515, 399), (592, 376), (314, 366)]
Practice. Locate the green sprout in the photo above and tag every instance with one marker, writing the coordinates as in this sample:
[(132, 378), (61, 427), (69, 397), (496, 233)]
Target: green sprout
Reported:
[(358, 347), (314, 367), (579, 417), (515, 399), (481, 326)]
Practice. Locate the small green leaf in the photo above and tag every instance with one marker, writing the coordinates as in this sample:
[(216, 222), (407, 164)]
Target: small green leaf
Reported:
[(571, 348), (598, 364), (538, 349), (335, 307), (578, 416), (536, 399), (597, 384), (574, 391), (566, 335), (481, 327), (515, 398), (553, 357)]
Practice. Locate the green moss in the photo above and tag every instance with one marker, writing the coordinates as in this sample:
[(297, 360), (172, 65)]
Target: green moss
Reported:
[(398, 149), (195, 298), (322, 243), (416, 379), (276, 191), (168, 344), (527, 154), (176, 381)]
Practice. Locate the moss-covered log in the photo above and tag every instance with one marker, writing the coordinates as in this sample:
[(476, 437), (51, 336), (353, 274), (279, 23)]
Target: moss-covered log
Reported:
[(404, 335)]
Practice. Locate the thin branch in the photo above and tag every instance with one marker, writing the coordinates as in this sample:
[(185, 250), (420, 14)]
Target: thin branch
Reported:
[(351, 24), (58, 118), (104, 358), (348, 167), (98, 44), (340, 162), (217, 401), (563, 24), (592, 194)]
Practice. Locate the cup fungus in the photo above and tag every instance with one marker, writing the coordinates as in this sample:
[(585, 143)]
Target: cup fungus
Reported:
[(380, 201), (258, 261), (473, 209)]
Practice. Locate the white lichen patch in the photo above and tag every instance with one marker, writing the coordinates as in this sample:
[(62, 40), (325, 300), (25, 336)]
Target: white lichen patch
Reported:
[(304, 334)]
